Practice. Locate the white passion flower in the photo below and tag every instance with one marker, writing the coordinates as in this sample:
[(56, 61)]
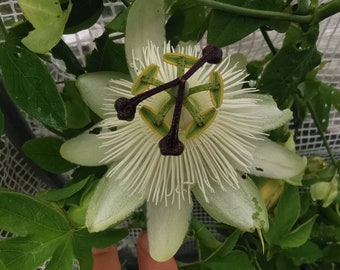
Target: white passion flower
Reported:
[(184, 125)]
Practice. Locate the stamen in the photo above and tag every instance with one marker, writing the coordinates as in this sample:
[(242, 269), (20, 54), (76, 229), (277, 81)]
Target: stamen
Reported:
[(170, 145), (211, 54), (126, 108)]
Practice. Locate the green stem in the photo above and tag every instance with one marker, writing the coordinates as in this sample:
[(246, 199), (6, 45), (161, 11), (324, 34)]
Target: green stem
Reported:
[(321, 133), (262, 14), (3, 29), (326, 10), (268, 40)]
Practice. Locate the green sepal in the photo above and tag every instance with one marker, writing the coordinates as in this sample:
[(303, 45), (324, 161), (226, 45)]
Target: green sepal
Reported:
[(142, 82), (217, 91), (150, 117), (178, 59), (195, 129)]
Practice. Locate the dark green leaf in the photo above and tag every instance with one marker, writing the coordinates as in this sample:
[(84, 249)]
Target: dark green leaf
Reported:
[(286, 213), (45, 153), (335, 96), (319, 97), (290, 66), (207, 242), (83, 15), (229, 244), (108, 56), (2, 122), (77, 112), (118, 24), (307, 253), (31, 87), (236, 260), (222, 25), (83, 241), (63, 52), (331, 253), (24, 215), (188, 22), (298, 236), (63, 193)]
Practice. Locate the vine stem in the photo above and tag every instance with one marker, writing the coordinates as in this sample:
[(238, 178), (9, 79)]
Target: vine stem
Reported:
[(321, 133), (268, 40), (3, 28), (263, 14)]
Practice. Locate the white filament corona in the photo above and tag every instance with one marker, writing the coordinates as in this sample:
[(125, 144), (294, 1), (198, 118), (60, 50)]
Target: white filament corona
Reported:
[(224, 148)]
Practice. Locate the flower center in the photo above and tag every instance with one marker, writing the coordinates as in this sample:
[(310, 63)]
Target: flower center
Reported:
[(179, 93)]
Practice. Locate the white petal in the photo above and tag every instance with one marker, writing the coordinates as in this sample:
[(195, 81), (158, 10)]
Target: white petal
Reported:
[(275, 161), (85, 149), (145, 22), (241, 207), (268, 115), (167, 227), (110, 204), (92, 87)]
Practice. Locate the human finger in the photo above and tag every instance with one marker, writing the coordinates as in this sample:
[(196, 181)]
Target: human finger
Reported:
[(106, 258), (145, 262)]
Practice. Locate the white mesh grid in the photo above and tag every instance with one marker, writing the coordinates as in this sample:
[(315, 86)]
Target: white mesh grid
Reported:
[(17, 175)]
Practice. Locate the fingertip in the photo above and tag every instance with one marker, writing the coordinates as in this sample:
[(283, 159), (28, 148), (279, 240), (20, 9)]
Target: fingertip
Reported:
[(106, 258), (145, 261)]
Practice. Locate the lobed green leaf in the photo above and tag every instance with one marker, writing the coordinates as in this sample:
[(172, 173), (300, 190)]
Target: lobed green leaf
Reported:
[(25, 215), (289, 67)]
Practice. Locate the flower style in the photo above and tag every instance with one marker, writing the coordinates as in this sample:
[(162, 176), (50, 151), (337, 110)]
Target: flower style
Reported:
[(185, 124)]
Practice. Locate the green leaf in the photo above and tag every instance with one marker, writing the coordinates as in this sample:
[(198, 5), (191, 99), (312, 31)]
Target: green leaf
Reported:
[(335, 96), (83, 15), (63, 193), (45, 153), (108, 56), (45, 234), (236, 260), (63, 52), (2, 122), (222, 25), (188, 22), (306, 253), (286, 214), (77, 112), (118, 24), (48, 19), (229, 244), (24, 215), (290, 65), (319, 97), (31, 87), (299, 236), (63, 256), (26, 252)]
